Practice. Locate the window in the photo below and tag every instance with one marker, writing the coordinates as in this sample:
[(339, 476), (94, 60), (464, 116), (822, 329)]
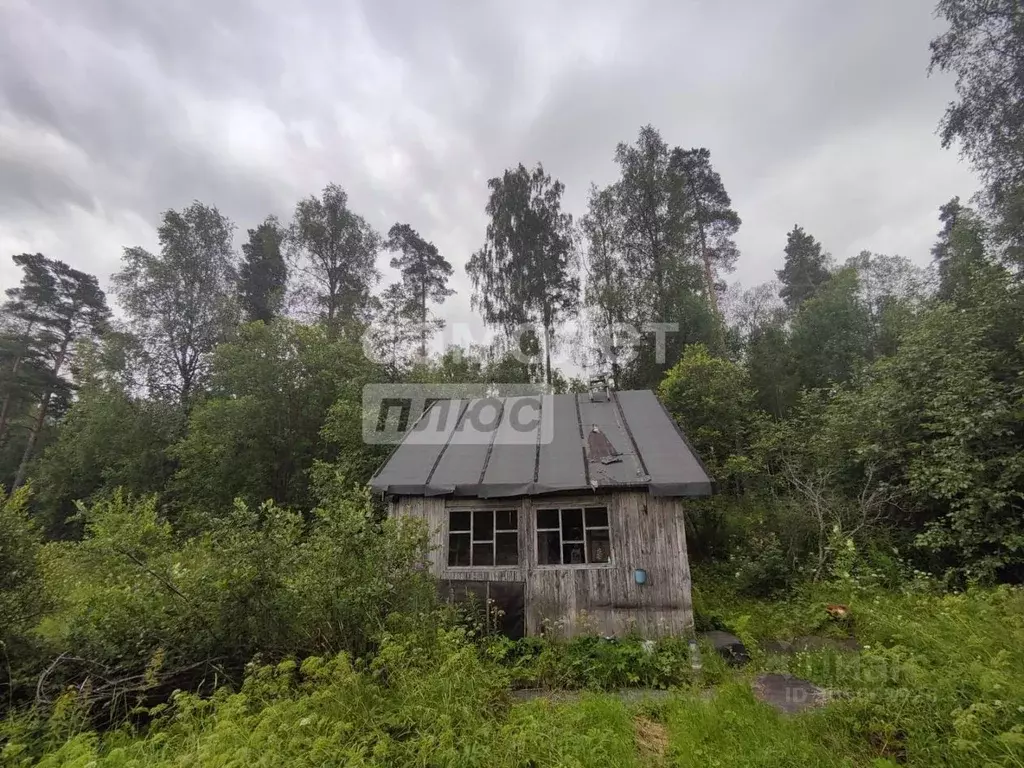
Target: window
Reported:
[(482, 537), (573, 536)]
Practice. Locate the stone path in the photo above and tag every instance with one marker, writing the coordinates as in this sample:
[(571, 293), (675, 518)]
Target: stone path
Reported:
[(788, 694)]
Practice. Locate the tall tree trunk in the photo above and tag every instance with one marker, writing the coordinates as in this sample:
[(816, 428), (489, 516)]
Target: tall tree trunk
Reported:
[(613, 352), (33, 437), (547, 357), (423, 321), (4, 410), (709, 279), (44, 405)]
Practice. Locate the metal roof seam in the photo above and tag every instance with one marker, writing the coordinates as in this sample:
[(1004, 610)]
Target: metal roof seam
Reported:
[(583, 441), (440, 454), (490, 445), (629, 434), (536, 448), (488, 466)]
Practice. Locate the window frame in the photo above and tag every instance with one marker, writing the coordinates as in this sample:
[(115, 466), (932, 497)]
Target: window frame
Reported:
[(582, 506), (473, 509)]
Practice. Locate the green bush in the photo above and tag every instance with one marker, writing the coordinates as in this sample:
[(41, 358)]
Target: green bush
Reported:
[(133, 602), (21, 594), (939, 679), (594, 662), (428, 699)]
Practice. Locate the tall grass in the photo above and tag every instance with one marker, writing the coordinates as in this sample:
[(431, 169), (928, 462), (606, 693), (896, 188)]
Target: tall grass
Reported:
[(939, 682)]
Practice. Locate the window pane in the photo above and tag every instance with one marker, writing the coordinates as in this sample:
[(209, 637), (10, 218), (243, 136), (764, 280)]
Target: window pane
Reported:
[(459, 521), (483, 525), (458, 549), (572, 554), (483, 554), (547, 518), (599, 548), (507, 549), (505, 520), (549, 546), (572, 524), (597, 516)]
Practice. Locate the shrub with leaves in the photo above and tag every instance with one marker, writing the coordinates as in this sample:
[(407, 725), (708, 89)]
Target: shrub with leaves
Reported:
[(21, 595), (138, 611)]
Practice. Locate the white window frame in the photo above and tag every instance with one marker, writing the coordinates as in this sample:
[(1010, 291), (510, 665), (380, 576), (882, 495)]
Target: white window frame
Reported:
[(537, 531)]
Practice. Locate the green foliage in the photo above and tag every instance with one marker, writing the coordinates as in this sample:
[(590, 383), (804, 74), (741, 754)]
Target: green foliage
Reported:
[(831, 332), (53, 307), (525, 273), (182, 302), (258, 580), (593, 662), (772, 370), (428, 699), (863, 434), (263, 274), (425, 274), (939, 678), (938, 422), (711, 399), (334, 252), (733, 729), (107, 440), (258, 435), (20, 542), (805, 269), (984, 48), (22, 600), (715, 221), (938, 682)]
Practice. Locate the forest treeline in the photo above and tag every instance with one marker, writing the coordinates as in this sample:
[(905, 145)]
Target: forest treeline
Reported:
[(182, 475), (884, 397)]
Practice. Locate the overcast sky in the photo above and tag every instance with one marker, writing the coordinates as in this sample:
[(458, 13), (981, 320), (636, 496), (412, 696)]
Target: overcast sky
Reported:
[(111, 111)]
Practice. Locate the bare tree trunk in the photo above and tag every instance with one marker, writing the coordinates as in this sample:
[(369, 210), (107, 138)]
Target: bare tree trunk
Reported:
[(709, 277), (44, 405), (613, 353), (7, 403), (33, 437), (547, 356), (423, 321), (5, 409)]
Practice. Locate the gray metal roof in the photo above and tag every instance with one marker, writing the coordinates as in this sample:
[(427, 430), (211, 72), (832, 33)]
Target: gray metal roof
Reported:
[(578, 443)]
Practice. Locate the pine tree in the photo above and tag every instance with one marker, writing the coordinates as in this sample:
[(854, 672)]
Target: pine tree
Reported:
[(959, 253), (263, 274), (713, 218), (425, 273), (23, 314), (805, 270), (57, 305)]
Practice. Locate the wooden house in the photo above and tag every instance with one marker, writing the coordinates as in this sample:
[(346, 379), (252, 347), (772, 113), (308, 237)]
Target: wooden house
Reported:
[(573, 528)]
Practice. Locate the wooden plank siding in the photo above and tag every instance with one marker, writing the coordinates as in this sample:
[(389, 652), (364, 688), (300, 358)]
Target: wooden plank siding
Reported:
[(600, 598)]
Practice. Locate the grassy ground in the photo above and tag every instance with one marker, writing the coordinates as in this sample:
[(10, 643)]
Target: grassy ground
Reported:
[(939, 681)]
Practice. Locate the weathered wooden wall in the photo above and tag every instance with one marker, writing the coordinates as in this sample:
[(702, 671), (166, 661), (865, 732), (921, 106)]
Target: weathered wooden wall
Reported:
[(601, 598)]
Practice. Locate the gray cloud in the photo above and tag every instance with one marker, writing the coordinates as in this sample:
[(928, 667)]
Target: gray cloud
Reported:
[(113, 110)]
